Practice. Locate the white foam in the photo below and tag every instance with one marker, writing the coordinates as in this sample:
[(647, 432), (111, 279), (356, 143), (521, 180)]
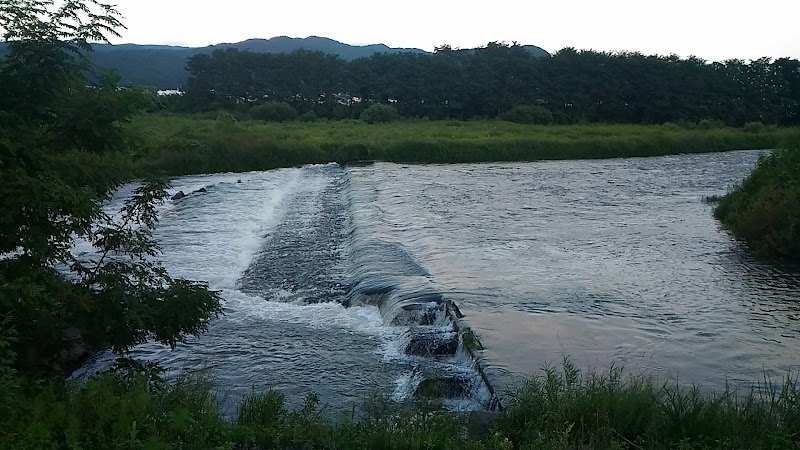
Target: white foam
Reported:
[(214, 236), (405, 385), (327, 315)]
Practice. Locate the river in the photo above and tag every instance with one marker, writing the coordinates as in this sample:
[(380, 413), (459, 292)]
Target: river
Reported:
[(611, 262)]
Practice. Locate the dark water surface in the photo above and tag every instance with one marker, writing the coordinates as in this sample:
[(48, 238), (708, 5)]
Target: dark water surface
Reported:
[(612, 262)]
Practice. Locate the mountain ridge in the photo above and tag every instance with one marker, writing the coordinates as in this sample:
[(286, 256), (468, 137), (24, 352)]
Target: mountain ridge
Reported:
[(164, 66)]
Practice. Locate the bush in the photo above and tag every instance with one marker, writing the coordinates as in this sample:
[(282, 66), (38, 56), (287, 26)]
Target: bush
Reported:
[(274, 112), (528, 114), (753, 127), (308, 116), (708, 124), (764, 211), (379, 113)]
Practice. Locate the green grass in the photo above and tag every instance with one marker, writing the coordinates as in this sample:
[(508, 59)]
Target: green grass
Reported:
[(567, 409), (764, 211), (178, 145), (556, 409)]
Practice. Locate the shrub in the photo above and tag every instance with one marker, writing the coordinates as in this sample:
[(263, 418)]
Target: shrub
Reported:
[(753, 127), (764, 211), (308, 116), (380, 113), (708, 124), (274, 112), (528, 114)]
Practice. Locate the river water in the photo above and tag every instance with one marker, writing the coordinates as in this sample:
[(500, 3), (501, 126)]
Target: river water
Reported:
[(612, 262)]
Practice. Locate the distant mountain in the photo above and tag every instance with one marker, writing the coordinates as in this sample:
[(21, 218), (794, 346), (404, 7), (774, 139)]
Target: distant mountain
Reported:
[(283, 44), (537, 51), (164, 66)]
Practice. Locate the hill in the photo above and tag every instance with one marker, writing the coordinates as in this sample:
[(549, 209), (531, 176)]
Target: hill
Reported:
[(164, 66)]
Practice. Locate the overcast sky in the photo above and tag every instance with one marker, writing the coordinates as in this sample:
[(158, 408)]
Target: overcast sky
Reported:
[(711, 29)]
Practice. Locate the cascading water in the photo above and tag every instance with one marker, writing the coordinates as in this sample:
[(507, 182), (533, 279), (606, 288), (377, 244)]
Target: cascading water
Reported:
[(311, 301), (386, 275)]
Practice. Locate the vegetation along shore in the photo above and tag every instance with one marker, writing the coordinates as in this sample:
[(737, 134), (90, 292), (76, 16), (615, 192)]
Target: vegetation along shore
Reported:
[(180, 144)]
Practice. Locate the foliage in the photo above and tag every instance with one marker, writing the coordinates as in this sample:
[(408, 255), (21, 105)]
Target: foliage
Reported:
[(178, 145), (62, 145), (764, 211), (556, 409), (568, 409), (108, 412), (530, 114), (308, 116), (487, 82), (274, 112), (379, 113)]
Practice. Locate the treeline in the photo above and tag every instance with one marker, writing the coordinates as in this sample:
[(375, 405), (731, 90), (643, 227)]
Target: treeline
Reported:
[(501, 81)]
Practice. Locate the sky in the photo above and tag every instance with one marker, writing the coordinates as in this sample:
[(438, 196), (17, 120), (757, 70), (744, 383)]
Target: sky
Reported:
[(710, 29)]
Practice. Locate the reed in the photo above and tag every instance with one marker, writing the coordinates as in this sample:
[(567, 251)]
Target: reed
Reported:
[(177, 145), (559, 408)]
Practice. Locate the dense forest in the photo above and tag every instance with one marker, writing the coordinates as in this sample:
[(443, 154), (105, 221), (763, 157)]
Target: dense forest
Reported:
[(502, 81)]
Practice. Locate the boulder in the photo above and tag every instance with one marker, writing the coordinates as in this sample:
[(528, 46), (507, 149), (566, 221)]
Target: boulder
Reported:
[(429, 344), (417, 314), (178, 196), (443, 387), (200, 191)]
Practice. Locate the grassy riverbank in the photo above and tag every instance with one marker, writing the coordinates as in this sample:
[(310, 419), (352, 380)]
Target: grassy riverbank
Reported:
[(178, 145), (557, 409), (764, 211)]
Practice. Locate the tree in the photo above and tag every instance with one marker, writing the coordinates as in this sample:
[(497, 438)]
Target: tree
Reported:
[(528, 114), (379, 113), (61, 155), (274, 112)]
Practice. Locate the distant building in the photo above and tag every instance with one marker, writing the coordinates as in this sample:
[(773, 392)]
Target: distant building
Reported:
[(163, 92)]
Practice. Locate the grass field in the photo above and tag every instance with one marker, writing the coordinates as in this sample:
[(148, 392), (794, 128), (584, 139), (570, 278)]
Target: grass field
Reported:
[(177, 145)]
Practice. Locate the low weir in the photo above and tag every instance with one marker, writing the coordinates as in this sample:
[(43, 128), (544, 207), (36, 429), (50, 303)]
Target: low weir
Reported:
[(325, 249)]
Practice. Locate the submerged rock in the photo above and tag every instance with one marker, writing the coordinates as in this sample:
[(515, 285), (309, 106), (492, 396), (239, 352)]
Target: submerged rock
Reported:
[(417, 314), (429, 344), (443, 387), (178, 196), (200, 191)]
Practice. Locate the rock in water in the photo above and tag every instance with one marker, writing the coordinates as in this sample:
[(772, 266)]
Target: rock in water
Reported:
[(178, 196), (430, 344), (442, 387), (200, 191)]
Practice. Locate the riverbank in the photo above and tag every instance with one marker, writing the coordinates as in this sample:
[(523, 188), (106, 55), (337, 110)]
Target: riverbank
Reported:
[(182, 145), (764, 211), (558, 408)]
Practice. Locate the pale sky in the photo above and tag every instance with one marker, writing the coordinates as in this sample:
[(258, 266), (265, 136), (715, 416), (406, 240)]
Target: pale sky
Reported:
[(711, 29)]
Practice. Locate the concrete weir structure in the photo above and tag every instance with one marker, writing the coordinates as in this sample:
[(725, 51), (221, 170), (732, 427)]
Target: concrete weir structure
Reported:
[(443, 364)]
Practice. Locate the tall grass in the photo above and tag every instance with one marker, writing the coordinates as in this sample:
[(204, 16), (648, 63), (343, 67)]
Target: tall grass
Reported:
[(558, 408), (764, 211), (563, 408), (181, 144)]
